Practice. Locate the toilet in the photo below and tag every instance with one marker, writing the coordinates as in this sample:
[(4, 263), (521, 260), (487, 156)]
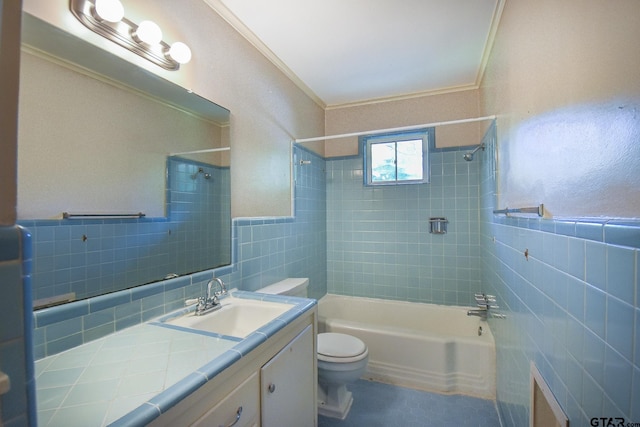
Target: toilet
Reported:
[(342, 358)]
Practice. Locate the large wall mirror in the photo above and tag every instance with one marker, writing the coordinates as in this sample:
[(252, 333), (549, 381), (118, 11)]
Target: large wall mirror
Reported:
[(139, 165)]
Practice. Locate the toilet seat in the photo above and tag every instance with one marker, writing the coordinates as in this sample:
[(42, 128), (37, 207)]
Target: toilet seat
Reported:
[(340, 348)]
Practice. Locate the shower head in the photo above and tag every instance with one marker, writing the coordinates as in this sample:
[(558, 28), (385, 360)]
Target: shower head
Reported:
[(469, 156), (201, 170)]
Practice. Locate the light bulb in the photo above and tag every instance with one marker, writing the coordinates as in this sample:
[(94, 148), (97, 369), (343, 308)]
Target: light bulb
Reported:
[(149, 32), (180, 53), (109, 10)]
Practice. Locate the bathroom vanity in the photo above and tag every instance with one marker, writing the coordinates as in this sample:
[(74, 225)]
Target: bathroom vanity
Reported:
[(163, 374), (272, 386)]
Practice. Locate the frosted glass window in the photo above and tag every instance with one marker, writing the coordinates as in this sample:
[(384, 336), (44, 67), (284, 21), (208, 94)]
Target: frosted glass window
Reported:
[(396, 159)]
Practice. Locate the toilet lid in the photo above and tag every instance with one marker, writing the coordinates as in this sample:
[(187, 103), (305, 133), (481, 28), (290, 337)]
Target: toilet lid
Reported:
[(332, 344)]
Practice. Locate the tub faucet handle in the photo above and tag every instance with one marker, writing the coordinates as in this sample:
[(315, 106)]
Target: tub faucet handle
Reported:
[(486, 305), (484, 299)]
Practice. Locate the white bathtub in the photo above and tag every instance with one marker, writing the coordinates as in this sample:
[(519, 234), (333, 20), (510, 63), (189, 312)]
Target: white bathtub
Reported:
[(424, 346)]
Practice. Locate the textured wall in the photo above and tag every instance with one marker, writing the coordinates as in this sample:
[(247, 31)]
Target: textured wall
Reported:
[(567, 133), (406, 112), (267, 109), (563, 79), (9, 79), (86, 146)]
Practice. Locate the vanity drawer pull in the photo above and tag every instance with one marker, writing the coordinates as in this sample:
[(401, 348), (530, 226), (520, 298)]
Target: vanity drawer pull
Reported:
[(238, 413), (272, 388)]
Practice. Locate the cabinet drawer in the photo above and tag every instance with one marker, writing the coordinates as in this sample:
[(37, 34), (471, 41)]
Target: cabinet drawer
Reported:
[(227, 411)]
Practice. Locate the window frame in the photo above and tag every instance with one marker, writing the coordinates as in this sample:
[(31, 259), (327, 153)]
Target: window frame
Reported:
[(426, 135)]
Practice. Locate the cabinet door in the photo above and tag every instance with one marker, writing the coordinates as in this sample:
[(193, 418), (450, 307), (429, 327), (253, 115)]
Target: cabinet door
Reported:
[(239, 409), (287, 382)]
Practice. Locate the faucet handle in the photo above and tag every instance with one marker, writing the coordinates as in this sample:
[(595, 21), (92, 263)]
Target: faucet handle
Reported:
[(484, 299), (191, 301), (487, 305), (200, 301)]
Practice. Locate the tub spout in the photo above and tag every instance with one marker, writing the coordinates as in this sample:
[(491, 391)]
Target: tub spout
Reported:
[(482, 312)]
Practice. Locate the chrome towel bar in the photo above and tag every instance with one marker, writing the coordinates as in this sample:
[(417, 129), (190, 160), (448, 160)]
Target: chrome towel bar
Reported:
[(67, 215), (538, 210)]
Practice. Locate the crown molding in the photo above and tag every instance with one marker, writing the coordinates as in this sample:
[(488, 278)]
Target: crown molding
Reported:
[(221, 9), (405, 96), (488, 45), (250, 36)]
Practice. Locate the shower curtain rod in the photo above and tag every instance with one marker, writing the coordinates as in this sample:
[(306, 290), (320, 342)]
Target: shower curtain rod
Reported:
[(208, 150), (398, 129)]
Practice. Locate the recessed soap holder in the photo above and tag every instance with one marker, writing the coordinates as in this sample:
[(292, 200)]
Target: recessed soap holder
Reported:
[(438, 225)]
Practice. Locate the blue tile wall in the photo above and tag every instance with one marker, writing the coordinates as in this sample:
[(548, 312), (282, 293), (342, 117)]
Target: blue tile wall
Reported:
[(378, 240), (92, 257), (272, 249), (199, 206), (16, 351), (264, 250), (572, 308)]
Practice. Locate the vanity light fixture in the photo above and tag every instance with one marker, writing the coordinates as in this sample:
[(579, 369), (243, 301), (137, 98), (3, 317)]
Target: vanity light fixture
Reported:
[(106, 17), (147, 32), (108, 10)]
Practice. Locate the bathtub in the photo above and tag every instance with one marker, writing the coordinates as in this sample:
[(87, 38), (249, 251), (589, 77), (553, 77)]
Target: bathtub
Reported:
[(423, 346)]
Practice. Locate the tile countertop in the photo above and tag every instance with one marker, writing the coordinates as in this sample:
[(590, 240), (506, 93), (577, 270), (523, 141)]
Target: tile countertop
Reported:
[(131, 377)]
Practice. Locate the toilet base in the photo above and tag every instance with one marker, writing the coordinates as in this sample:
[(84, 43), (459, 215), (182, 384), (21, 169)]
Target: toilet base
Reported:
[(334, 400)]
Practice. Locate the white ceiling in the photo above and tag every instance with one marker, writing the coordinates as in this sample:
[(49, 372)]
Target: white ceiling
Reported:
[(353, 51)]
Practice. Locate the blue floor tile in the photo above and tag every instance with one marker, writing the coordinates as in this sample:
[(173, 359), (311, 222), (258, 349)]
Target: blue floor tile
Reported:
[(377, 404)]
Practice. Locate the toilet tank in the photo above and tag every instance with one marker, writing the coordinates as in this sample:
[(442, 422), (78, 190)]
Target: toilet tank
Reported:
[(293, 286)]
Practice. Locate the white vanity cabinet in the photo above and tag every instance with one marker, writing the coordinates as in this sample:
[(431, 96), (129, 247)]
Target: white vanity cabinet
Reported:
[(275, 384), (287, 380), (241, 408)]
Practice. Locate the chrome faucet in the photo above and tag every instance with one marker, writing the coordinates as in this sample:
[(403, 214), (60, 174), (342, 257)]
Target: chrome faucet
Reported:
[(223, 287), (484, 302), (210, 302), (481, 312)]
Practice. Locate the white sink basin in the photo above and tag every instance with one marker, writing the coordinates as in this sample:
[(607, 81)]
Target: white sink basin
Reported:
[(238, 317)]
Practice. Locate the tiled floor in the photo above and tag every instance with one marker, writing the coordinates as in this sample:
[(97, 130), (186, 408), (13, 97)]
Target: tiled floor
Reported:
[(377, 405)]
